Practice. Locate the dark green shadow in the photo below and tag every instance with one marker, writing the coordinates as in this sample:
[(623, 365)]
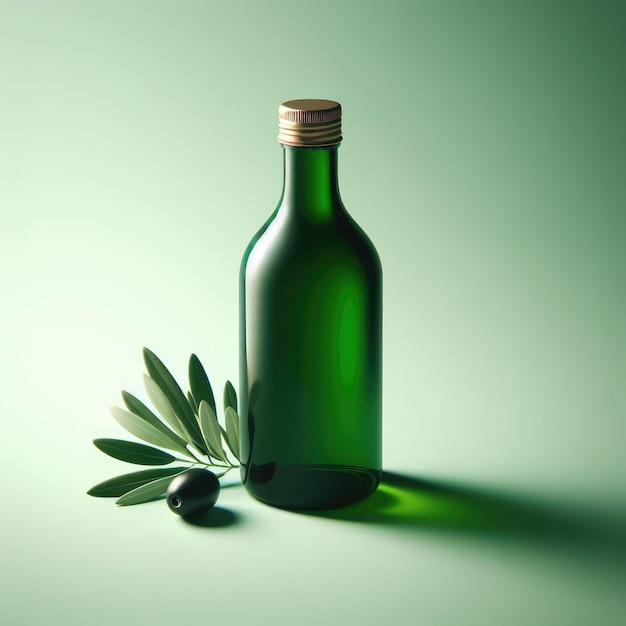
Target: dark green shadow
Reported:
[(217, 517), (417, 505)]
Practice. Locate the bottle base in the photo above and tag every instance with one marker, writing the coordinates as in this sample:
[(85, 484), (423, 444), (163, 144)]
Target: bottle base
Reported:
[(310, 487)]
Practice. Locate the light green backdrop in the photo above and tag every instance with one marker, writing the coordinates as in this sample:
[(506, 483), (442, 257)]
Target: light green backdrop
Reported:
[(484, 154)]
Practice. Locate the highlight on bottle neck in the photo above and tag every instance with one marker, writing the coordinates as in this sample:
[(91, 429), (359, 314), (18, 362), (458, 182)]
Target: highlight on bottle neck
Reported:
[(309, 123)]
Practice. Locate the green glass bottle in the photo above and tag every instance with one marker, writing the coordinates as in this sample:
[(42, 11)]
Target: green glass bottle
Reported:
[(310, 333)]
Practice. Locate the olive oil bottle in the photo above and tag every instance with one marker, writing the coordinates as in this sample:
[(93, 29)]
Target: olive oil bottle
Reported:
[(310, 333)]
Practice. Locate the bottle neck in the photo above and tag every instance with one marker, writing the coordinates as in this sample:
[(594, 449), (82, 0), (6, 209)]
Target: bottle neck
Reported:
[(311, 188)]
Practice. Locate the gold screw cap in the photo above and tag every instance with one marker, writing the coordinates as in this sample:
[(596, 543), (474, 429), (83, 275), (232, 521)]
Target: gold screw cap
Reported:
[(309, 123)]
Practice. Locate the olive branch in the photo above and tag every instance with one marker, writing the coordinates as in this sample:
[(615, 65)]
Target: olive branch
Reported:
[(186, 424)]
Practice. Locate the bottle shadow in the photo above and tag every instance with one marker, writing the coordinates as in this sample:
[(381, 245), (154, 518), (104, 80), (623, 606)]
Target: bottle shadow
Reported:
[(417, 505)]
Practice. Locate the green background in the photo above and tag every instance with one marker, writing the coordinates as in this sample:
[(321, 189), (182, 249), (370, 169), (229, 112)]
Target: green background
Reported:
[(484, 153)]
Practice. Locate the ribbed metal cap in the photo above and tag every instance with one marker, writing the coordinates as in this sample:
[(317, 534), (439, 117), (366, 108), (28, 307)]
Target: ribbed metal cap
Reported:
[(309, 123)]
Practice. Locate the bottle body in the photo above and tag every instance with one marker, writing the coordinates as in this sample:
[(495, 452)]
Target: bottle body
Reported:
[(311, 348)]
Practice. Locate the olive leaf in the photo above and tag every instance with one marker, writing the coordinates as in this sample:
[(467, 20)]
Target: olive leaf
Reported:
[(146, 492), (132, 452), (161, 375), (139, 427), (199, 382), (230, 396), (118, 486), (211, 431), (137, 407), (192, 403), (163, 406), (232, 431)]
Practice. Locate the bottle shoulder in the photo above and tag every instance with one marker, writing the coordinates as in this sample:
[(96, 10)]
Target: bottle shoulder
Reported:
[(255, 239), (363, 245), (297, 247)]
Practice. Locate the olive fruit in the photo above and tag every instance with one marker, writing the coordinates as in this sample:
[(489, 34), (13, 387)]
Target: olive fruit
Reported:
[(193, 492)]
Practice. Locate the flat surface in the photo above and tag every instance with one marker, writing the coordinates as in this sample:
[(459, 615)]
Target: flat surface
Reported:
[(484, 154)]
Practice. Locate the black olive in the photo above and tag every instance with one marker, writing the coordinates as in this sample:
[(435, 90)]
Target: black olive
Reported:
[(193, 492)]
